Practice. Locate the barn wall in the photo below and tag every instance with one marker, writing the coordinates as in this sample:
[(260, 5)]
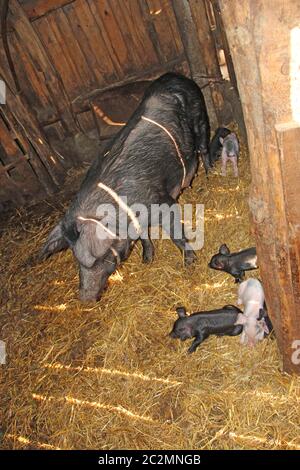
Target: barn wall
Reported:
[(65, 51), (68, 53)]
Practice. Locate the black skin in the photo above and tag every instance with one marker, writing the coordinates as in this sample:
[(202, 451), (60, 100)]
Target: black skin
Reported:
[(263, 314), (200, 325), (215, 146), (234, 263), (141, 164)]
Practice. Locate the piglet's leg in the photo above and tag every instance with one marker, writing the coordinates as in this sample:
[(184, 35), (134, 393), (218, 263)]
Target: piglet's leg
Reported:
[(197, 341), (224, 162), (148, 250), (235, 166)]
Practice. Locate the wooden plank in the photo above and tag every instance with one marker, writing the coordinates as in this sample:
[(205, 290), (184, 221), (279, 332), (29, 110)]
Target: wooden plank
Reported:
[(78, 76), (12, 151), (17, 132), (47, 30), (30, 127), (288, 138), (36, 8), (89, 36), (210, 58), (130, 22), (106, 17), (40, 60), (160, 20), (34, 89), (147, 17)]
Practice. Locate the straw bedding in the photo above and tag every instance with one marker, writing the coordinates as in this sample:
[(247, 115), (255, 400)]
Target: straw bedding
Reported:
[(106, 375)]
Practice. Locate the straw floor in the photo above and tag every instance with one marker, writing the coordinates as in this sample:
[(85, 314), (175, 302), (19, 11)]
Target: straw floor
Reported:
[(107, 376)]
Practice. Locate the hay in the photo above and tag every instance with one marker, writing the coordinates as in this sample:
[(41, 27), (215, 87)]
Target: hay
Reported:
[(107, 376)]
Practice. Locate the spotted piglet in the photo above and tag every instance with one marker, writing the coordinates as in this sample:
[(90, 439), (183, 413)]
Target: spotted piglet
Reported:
[(230, 152)]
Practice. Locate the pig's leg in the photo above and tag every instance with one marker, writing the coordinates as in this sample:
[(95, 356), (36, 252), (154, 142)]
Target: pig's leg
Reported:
[(148, 248), (224, 162), (203, 134), (91, 282), (235, 166), (197, 341), (235, 331), (176, 228)]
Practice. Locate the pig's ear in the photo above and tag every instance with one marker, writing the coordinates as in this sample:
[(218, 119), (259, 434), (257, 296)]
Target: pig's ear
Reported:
[(224, 250), (262, 313), (265, 328), (56, 242), (181, 312)]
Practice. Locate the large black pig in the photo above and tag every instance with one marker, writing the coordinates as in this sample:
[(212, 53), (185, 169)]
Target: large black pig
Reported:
[(150, 161)]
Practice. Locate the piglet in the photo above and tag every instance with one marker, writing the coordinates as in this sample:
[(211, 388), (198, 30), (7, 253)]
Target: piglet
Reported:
[(215, 146), (200, 325), (230, 152), (251, 295), (234, 263)]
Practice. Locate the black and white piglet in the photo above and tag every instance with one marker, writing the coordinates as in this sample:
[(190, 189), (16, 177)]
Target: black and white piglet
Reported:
[(215, 146), (234, 263), (200, 325), (230, 152)]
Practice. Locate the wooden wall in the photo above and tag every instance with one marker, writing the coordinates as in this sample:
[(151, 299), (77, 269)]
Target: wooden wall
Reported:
[(64, 51), (67, 53)]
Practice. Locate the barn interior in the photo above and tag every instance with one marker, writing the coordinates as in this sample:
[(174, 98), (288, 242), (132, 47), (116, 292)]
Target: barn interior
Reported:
[(107, 375)]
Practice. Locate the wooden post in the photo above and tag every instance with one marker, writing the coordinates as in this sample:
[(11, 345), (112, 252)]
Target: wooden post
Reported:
[(210, 60), (230, 92), (194, 53), (263, 37)]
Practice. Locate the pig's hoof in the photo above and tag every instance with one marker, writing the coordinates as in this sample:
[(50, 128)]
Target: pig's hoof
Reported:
[(148, 258), (88, 297), (191, 350), (189, 258)]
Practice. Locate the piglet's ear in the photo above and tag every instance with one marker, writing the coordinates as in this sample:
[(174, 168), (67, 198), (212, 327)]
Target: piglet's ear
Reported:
[(181, 312), (224, 250)]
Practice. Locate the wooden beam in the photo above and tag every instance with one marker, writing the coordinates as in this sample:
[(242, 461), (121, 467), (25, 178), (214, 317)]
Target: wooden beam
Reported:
[(194, 52), (210, 59), (81, 103), (260, 41)]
